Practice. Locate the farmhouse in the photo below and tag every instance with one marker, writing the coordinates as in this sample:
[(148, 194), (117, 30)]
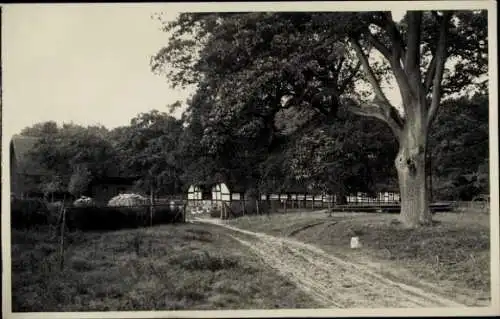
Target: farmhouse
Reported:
[(26, 174)]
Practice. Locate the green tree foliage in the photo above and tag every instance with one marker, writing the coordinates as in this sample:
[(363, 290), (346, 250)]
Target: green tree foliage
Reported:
[(50, 185), (459, 145), (354, 155), (79, 181), (61, 149), (249, 66), (148, 148), (43, 129)]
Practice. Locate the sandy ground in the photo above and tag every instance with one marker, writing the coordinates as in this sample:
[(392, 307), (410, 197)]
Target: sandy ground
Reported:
[(332, 281)]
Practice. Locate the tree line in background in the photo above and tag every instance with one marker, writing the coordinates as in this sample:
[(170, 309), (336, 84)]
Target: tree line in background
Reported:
[(169, 154), (287, 99)]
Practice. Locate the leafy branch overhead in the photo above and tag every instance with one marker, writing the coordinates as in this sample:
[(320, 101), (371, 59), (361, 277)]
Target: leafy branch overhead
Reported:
[(312, 59)]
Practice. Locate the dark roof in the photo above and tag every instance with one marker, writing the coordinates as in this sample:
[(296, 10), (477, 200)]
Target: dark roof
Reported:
[(20, 146)]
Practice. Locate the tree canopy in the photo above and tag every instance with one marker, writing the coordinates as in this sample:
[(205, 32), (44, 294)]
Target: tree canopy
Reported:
[(147, 148), (250, 66), (278, 102)]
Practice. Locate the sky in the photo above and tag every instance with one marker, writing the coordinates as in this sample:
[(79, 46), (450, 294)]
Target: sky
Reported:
[(87, 64)]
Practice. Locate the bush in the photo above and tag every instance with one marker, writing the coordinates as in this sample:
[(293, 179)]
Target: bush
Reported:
[(215, 212), (28, 213)]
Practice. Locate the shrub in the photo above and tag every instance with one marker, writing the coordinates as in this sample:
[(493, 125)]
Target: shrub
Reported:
[(27, 213), (215, 212), (84, 201)]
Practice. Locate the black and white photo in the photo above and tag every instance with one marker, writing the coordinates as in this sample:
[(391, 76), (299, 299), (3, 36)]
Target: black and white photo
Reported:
[(249, 159)]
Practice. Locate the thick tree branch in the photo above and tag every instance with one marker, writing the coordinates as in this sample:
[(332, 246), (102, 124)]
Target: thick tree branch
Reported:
[(380, 111), (380, 46), (399, 51), (441, 56), (343, 85), (368, 71), (394, 56), (429, 77), (412, 58), (398, 46)]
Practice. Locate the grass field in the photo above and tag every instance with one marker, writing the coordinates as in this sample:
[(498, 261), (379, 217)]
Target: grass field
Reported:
[(454, 254), (169, 267)]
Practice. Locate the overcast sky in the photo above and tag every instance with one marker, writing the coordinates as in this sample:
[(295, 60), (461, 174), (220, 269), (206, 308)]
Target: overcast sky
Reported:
[(83, 63)]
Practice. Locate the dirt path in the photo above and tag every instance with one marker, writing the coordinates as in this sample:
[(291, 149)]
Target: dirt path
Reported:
[(333, 282)]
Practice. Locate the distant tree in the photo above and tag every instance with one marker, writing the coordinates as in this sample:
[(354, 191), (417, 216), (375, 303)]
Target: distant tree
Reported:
[(60, 149), (79, 181), (350, 157), (148, 148), (50, 185), (41, 129), (459, 147)]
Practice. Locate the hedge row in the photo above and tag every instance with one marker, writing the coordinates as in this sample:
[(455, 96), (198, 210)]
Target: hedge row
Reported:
[(29, 213), (113, 218)]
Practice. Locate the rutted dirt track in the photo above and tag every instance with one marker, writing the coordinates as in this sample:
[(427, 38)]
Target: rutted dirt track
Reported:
[(334, 282)]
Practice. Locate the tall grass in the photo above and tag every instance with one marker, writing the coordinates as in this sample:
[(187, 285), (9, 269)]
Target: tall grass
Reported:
[(167, 267)]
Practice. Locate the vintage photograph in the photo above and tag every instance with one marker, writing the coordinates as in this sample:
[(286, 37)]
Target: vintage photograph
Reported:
[(168, 157)]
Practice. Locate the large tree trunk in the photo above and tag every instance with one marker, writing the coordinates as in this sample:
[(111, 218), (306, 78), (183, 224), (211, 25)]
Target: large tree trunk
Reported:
[(411, 167), (411, 130)]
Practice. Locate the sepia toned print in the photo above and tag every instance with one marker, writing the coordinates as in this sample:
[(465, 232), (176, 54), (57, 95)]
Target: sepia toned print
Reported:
[(162, 160)]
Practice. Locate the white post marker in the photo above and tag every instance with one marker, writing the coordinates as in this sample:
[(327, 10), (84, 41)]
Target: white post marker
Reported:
[(355, 243)]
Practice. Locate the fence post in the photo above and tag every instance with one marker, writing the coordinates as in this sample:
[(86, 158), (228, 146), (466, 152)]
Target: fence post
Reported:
[(257, 206), (184, 209), (329, 207), (61, 248)]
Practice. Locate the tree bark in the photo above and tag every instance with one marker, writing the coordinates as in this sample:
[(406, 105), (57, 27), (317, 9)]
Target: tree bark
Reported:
[(411, 167), (411, 131)]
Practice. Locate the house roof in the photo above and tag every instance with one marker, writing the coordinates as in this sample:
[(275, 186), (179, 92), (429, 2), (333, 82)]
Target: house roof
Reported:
[(20, 147)]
